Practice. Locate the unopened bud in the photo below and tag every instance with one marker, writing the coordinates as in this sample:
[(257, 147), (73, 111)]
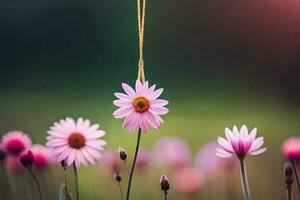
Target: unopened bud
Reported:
[(118, 177), (288, 172), (63, 163), (122, 154), (164, 183), (27, 159)]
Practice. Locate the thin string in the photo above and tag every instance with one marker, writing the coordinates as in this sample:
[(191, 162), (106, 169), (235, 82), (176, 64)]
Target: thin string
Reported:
[(141, 24)]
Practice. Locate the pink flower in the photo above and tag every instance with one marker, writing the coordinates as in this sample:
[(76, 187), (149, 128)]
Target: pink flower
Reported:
[(188, 180), (15, 142), (140, 107), (42, 156), (210, 164), (13, 164), (172, 151), (291, 148), (76, 142), (143, 159), (111, 160), (240, 143)]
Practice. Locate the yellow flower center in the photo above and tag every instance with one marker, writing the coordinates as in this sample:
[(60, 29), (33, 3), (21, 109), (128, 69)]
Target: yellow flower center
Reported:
[(141, 104), (76, 140)]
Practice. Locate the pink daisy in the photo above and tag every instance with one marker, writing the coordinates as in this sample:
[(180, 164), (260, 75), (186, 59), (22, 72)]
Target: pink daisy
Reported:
[(240, 143), (210, 164), (42, 156), (140, 107), (111, 160), (15, 143), (291, 148), (76, 142), (143, 159), (188, 180), (172, 151)]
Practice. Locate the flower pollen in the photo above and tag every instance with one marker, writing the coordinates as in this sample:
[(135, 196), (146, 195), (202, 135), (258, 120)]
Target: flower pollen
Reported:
[(141, 104), (76, 140)]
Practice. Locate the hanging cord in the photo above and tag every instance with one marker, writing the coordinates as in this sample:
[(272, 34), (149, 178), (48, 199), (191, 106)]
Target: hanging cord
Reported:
[(141, 24)]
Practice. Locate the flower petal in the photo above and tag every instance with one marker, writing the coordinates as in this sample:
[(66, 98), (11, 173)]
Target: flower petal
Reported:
[(129, 90)]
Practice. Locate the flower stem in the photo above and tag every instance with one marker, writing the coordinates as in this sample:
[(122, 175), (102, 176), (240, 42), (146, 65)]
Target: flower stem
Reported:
[(289, 192), (166, 195), (296, 174), (76, 182), (121, 191), (36, 181), (133, 164), (244, 180), (67, 194)]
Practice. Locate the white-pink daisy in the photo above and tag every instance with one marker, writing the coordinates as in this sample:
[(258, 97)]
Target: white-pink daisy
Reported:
[(240, 143), (140, 107), (76, 142), (15, 143)]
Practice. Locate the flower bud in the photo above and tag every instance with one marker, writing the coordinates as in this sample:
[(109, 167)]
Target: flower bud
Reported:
[(288, 172), (288, 169), (122, 154), (27, 159), (118, 177), (164, 183), (2, 155)]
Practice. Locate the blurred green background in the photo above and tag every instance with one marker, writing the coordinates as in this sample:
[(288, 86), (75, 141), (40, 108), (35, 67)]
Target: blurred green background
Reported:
[(221, 63)]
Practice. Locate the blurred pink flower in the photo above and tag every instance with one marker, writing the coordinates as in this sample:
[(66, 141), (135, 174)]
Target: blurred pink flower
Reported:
[(42, 156), (240, 143), (12, 163), (291, 148), (76, 142), (172, 151), (210, 164), (111, 160), (15, 142), (140, 107), (143, 159), (188, 180)]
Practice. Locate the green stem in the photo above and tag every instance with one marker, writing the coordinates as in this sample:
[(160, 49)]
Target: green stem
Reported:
[(37, 182), (296, 174), (121, 191), (133, 164), (244, 180), (76, 181)]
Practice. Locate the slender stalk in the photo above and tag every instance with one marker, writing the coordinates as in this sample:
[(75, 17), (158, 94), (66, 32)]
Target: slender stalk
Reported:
[(289, 192), (67, 194), (244, 180), (296, 174), (76, 181), (166, 195), (121, 191), (37, 182), (133, 164)]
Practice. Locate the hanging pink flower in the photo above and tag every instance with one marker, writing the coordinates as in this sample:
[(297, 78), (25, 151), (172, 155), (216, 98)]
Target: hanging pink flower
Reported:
[(188, 180), (291, 148), (240, 143), (210, 164), (76, 142), (140, 107), (42, 156), (15, 143), (172, 151)]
